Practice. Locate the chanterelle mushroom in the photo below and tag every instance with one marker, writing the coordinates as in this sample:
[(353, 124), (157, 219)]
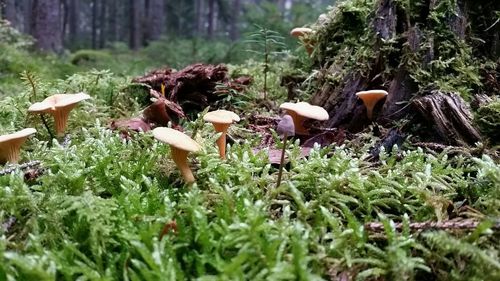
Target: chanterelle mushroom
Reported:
[(180, 145), (59, 106), (302, 33), (221, 119), (10, 145), (301, 111), (370, 99)]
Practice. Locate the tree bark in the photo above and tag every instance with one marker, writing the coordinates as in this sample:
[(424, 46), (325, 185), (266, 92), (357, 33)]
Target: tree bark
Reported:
[(10, 12), (27, 16), (210, 19), (94, 23), (200, 19), (113, 23), (135, 24), (102, 23), (73, 20), (451, 119), (235, 16), (446, 116), (47, 25), (155, 20)]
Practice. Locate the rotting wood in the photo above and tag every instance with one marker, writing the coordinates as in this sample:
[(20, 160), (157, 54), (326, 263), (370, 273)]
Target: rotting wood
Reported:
[(12, 168), (451, 119)]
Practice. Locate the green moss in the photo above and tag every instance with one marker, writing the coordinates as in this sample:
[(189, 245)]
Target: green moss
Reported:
[(83, 57), (488, 119), (436, 57)]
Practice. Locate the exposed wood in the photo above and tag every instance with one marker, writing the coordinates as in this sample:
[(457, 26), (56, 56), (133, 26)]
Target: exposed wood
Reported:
[(192, 88), (449, 116)]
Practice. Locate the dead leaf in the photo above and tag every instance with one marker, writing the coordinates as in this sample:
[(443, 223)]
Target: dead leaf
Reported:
[(134, 124)]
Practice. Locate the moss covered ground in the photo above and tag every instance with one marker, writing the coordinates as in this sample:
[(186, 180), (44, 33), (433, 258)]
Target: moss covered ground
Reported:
[(108, 208)]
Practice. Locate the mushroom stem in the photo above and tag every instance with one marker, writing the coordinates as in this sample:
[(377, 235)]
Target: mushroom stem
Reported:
[(221, 141), (180, 158), (61, 119), (11, 153), (369, 112), (298, 122), (282, 161)]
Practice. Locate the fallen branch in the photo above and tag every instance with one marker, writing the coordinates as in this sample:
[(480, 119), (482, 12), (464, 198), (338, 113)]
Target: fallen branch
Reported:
[(466, 224), (12, 168)]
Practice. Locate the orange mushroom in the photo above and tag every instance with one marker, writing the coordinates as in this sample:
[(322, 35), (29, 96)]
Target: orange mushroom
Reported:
[(370, 99), (180, 146), (10, 145), (59, 106), (221, 119), (302, 33), (301, 111)]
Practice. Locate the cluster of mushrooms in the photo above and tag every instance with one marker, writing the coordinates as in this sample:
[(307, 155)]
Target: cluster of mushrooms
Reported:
[(292, 124), (58, 106)]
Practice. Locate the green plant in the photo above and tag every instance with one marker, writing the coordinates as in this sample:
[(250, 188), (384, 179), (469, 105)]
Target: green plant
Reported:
[(267, 44)]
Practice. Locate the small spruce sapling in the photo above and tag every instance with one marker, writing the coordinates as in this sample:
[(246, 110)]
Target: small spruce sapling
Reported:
[(267, 44)]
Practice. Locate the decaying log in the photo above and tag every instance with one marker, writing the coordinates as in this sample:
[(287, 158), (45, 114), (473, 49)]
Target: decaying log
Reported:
[(12, 168), (194, 84), (413, 44), (449, 116), (192, 88), (345, 109)]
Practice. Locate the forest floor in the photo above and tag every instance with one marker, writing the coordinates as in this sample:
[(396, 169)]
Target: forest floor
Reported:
[(105, 202)]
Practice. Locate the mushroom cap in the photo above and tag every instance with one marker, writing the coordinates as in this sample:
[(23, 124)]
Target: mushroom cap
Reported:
[(17, 135), (307, 110), (176, 139), (221, 117), (373, 94), (300, 31), (286, 126), (57, 101)]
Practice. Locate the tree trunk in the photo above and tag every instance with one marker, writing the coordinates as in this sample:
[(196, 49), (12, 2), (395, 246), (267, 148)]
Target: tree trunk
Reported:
[(155, 20), (451, 119), (102, 22), (200, 19), (73, 20), (135, 24), (94, 23), (28, 15), (412, 37), (210, 19), (235, 16), (113, 23), (64, 15), (10, 12), (47, 25)]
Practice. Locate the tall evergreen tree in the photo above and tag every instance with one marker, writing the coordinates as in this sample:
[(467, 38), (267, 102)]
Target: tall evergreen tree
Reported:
[(47, 25)]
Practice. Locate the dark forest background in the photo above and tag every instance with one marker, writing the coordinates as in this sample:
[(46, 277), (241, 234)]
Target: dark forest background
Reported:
[(59, 25)]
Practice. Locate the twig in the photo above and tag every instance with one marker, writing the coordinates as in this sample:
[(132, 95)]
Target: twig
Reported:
[(13, 168), (47, 126), (445, 225)]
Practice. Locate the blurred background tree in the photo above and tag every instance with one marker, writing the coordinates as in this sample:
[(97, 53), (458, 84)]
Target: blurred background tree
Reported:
[(59, 25)]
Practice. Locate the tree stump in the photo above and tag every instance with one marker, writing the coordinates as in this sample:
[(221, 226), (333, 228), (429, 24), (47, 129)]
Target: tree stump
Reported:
[(450, 118)]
